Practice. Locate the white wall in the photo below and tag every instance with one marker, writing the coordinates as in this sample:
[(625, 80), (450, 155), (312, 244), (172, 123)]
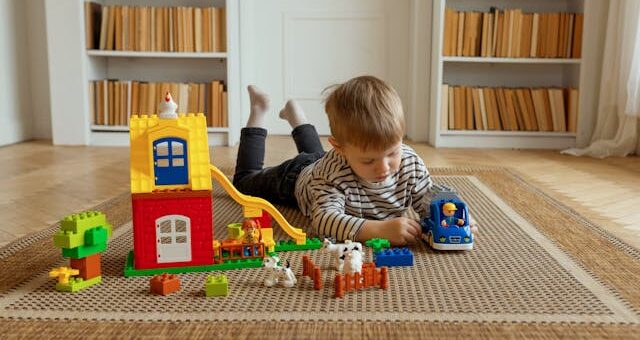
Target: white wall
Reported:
[(38, 69), (24, 81), (15, 109)]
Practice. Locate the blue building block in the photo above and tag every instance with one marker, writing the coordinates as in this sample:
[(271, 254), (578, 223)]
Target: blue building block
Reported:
[(394, 257)]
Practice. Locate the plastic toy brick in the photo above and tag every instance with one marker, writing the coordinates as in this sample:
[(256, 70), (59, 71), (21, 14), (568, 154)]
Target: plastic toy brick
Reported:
[(377, 244), (394, 257), (81, 222), (84, 251), (68, 239), (77, 283), (249, 212), (289, 245), (216, 286), (95, 236), (89, 266), (63, 274), (234, 231), (164, 284), (312, 271), (129, 269)]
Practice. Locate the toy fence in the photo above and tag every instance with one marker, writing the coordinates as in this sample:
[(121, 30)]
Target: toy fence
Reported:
[(371, 276), (311, 270)]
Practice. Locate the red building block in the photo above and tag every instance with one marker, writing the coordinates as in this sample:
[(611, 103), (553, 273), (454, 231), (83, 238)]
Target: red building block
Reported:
[(264, 220), (164, 284), (150, 241), (89, 266)]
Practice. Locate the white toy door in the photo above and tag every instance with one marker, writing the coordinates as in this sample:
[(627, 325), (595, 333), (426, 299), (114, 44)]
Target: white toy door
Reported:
[(173, 239)]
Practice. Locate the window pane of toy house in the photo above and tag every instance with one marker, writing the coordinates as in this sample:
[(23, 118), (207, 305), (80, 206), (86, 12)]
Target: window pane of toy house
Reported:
[(181, 226), (163, 163), (181, 239), (177, 149), (165, 227), (165, 240), (178, 162), (162, 149)]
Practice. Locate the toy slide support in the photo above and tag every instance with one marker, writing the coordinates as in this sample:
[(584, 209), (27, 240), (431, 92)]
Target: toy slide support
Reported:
[(255, 202)]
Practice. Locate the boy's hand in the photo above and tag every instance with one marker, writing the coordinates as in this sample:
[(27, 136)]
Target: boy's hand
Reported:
[(401, 231), (473, 225)]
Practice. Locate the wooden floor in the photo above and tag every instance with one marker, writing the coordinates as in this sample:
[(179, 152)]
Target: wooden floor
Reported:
[(42, 183)]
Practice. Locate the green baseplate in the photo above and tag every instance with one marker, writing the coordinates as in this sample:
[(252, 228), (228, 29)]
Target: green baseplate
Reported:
[(130, 271)]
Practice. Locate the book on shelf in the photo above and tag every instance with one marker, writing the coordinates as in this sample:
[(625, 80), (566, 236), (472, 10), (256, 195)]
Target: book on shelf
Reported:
[(509, 109), (112, 102), (160, 29), (512, 33)]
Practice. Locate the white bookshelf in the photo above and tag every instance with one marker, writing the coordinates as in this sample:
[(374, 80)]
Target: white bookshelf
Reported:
[(514, 72), (72, 67)]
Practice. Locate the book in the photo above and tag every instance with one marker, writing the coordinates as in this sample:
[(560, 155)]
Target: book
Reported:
[(493, 116), (451, 111), (460, 38), (525, 40), (477, 110), (534, 35), (468, 112), (111, 27), (460, 108), (557, 109), (578, 22), (104, 30), (449, 36), (92, 24), (444, 105), (572, 110)]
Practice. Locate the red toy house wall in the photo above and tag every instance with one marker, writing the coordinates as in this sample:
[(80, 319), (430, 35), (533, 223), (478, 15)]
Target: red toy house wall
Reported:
[(147, 208)]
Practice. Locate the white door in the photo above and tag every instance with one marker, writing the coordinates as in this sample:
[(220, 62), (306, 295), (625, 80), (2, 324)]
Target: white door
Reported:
[(295, 49), (173, 239)]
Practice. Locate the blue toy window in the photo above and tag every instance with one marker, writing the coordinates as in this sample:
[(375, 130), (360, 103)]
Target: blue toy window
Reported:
[(170, 161)]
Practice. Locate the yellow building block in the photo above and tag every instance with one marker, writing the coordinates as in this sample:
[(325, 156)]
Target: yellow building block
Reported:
[(267, 239), (251, 212), (144, 130)]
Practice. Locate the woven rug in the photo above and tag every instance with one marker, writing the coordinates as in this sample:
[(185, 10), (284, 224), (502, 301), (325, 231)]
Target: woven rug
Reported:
[(538, 269)]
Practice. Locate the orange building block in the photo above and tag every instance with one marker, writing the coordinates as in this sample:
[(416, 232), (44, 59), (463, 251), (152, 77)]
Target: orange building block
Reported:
[(164, 284), (89, 266)]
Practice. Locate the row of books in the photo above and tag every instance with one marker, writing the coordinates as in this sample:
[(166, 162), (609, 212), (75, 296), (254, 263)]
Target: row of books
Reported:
[(112, 102), (512, 109), (511, 33), (168, 29)]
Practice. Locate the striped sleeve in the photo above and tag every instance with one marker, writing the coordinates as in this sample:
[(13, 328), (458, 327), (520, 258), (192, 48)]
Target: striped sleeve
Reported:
[(328, 213)]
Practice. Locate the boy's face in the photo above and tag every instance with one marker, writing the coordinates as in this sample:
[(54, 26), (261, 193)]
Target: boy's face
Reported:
[(372, 165)]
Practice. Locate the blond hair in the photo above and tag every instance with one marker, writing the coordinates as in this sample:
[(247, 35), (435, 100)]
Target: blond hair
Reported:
[(365, 112)]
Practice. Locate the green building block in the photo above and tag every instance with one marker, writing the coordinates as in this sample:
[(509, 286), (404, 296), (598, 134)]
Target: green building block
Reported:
[(95, 236), (129, 269), (216, 286), (81, 222), (377, 244), (77, 283), (84, 251), (68, 239), (234, 231), (290, 245)]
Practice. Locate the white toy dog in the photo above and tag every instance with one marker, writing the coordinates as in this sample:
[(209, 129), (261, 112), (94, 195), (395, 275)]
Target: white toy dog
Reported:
[(353, 260), (337, 251), (278, 274)]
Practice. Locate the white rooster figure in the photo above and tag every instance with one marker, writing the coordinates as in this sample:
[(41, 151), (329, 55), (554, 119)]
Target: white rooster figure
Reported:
[(168, 108)]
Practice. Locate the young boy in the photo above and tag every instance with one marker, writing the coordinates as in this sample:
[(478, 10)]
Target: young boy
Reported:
[(359, 190)]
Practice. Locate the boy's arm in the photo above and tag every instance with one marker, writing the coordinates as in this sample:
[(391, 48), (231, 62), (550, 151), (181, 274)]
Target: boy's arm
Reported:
[(329, 217)]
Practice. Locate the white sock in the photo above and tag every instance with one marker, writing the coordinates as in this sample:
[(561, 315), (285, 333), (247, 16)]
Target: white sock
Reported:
[(259, 106), (293, 113)]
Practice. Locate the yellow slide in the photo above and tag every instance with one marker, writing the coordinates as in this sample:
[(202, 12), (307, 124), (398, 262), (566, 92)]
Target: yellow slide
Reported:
[(259, 203)]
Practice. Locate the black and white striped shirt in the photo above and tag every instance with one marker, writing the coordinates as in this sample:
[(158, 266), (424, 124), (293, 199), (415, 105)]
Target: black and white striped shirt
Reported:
[(339, 202)]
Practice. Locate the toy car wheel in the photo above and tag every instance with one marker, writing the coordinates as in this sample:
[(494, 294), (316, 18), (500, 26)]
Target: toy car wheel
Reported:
[(431, 240)]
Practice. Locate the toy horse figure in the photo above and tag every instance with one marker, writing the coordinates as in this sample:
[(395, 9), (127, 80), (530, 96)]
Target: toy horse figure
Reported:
[(337, 251), (278, 274)]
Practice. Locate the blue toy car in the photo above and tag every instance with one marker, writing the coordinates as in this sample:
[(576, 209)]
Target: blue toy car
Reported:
[(448, 226)]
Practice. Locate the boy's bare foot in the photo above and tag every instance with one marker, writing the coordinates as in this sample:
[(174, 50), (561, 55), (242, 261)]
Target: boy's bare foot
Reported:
[(293, 113), (259, 106)]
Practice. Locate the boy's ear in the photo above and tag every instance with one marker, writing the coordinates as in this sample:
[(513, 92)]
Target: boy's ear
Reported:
[(335, 144)]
